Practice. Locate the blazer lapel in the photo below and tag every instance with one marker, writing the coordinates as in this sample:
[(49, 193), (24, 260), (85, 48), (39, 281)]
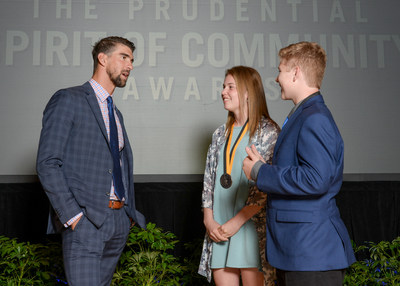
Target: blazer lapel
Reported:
[(121, 121), (292, 120), (284, 130), (281, 136), (94, 105)]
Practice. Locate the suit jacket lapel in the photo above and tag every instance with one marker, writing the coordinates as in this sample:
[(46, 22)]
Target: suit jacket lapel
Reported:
[(292, 120), (283, 133), (94, 105), (121, 121)]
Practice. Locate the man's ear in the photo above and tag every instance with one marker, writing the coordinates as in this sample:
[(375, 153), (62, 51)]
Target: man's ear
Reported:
[(102, 59)]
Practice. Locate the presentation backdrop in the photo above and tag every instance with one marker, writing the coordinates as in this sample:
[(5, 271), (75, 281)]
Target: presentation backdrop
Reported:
[(171, 103)]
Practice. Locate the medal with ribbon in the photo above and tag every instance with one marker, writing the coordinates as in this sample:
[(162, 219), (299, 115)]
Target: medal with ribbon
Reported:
[(229, 156)]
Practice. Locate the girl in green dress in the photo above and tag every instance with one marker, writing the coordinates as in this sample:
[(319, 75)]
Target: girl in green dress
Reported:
[(231, 248)]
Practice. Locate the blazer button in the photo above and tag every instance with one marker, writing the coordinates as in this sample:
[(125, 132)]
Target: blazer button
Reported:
[(109, 171), (107, 194)]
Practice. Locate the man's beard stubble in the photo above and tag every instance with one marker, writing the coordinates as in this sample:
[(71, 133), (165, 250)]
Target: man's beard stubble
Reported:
[(116, 80)]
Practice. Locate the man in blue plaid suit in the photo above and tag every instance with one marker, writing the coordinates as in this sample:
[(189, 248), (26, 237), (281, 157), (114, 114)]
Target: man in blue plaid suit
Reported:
[(76, 170)]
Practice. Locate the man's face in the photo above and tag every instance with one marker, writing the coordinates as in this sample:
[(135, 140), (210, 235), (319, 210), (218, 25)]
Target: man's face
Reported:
[(285, 80), (119, 65)]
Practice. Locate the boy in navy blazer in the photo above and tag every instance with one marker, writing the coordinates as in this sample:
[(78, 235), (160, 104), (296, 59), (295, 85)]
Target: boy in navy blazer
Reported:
[(306, 239), (89, 187)]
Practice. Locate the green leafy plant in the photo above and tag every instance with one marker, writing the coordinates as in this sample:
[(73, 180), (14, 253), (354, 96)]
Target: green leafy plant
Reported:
[(55, 267), (146, 259), (380, 267), (22, 263)]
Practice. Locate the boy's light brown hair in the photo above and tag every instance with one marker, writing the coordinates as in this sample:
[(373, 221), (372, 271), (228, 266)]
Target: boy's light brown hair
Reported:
[(310, 57)]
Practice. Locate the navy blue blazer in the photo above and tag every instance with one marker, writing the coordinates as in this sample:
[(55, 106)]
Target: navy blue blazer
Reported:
[(74, 162), (304, 228)]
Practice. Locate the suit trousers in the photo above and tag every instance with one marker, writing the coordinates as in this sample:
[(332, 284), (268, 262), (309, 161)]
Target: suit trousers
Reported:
[(90, 253), (310, 278)]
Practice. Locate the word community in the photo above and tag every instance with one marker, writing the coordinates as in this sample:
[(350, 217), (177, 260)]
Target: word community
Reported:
[(54, 48)]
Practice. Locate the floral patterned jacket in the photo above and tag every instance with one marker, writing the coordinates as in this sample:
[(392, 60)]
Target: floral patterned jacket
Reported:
[(264, 140)]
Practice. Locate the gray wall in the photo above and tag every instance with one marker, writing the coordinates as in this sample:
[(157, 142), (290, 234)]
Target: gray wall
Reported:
[(171, 103)]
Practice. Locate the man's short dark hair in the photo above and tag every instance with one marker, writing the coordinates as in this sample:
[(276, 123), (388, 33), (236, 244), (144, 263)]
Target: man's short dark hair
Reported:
[(107, 46)]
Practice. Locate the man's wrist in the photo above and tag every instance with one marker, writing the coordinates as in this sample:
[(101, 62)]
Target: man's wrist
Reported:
[(255, 170), (72, 220)]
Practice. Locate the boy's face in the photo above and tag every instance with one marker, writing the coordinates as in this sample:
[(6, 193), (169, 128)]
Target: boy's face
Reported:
[(285, 79)]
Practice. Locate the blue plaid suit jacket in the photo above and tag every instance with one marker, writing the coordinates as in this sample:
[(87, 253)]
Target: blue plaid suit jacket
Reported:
[(74, 162)]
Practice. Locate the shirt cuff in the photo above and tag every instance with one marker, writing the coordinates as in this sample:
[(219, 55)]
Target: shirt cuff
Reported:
[(72, 220), (255, 170)]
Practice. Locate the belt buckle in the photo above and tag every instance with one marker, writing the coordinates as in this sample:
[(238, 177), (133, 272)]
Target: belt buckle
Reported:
[(115, 205)]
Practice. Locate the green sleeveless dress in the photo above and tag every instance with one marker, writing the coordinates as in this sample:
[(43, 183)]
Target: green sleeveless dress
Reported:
[(241, 250)]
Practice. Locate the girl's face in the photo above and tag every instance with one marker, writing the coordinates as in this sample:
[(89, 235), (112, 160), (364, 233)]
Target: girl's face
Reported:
[(230, 96)]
